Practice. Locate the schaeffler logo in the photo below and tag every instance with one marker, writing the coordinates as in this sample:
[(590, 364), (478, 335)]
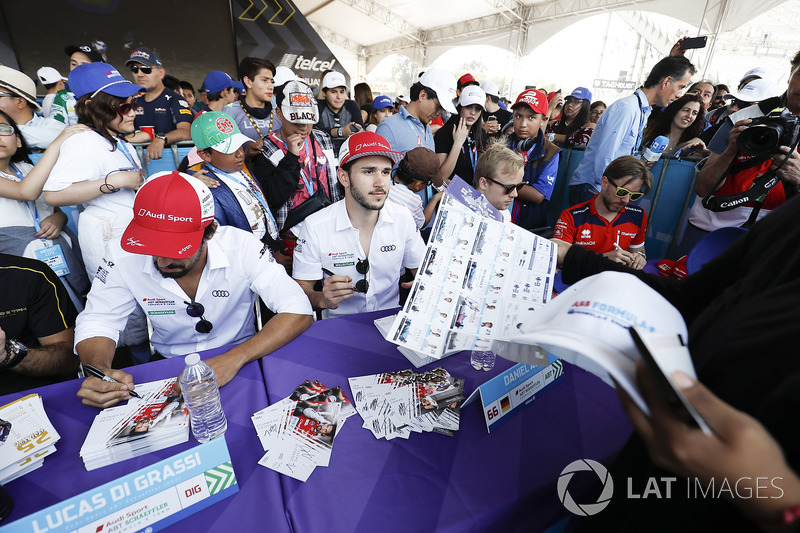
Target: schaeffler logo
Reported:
[(586, 509)]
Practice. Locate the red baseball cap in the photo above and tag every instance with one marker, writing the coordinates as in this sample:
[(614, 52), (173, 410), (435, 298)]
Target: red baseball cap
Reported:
[(170, 214), (467, 79), (533, 98), (366, 143)]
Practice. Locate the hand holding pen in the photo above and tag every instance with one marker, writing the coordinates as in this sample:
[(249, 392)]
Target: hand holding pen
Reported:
[(336, 288), (99, 374)]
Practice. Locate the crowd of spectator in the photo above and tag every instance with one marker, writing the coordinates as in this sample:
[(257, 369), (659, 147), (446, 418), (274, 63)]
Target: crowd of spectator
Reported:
[(300, 202)]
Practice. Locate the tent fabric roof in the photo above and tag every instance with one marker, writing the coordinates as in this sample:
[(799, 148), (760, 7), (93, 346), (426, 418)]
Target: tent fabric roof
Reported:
[(374, 29)]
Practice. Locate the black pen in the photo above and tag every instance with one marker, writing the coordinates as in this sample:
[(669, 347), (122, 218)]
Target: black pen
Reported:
[(328, 272), (96, 372)]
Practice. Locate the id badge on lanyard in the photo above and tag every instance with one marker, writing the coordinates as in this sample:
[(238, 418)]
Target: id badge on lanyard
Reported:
[(52, 255)]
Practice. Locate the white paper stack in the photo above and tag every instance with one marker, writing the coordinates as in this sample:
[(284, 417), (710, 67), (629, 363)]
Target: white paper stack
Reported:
[(298, 432), (157, 420), (394, 404), (26, 437)]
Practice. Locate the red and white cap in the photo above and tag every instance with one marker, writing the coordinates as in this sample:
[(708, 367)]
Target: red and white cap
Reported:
[(366, 143), (170, 214), (533, 98)]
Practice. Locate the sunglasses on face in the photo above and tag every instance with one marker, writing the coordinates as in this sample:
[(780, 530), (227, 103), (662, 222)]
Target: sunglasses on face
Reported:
[(196, 310), (508, 188), (741, 104), (136, 68), (622, 192), (362, 267), (6, 130), (124, 108)]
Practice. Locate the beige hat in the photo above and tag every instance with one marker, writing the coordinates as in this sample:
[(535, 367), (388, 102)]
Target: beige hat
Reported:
[(19, 84)]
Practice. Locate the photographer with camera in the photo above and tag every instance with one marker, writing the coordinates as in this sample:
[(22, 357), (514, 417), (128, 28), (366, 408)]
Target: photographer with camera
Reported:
[(753, 166)]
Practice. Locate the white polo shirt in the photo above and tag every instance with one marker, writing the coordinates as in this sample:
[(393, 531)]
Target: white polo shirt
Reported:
[(328, 240), (239, 266)]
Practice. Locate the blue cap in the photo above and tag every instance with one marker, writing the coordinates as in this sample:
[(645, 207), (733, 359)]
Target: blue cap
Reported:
[(91, 78), (582, 93), (382, 102), (217, 81)]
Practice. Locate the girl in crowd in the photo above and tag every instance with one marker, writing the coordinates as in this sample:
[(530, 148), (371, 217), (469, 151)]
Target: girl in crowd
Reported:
[(574, 116), (681, 122), (596, 111), (364, 98), (101, 171), (462, 136), (28, 223), (382, 107)]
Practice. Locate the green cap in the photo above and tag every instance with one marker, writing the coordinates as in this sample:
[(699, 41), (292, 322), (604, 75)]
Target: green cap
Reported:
[(218, 131)]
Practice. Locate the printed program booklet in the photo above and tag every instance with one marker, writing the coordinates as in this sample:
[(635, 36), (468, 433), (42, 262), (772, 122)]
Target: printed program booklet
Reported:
[(157, 420), (26, 437), (479, 278)]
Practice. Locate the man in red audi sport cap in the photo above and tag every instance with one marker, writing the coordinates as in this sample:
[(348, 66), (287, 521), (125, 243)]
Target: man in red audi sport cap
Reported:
[(195, 281), (358, 247)]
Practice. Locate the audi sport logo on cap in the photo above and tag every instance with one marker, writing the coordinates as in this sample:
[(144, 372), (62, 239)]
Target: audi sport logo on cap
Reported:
[(374, 144), (224, 125), (299, 99)]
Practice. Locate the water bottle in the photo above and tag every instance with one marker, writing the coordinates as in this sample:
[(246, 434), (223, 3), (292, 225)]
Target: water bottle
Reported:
[(654, 151), (482, 359), (199, 387)]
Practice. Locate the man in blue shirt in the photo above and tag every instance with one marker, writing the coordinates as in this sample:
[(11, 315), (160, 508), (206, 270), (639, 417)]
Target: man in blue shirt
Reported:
[(619, 130), (430, 97)]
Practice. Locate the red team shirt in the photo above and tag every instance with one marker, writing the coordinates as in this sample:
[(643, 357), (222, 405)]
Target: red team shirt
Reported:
[(582, 225)]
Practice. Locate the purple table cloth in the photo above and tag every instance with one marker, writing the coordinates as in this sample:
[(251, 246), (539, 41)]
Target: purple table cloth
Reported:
[(258, 505), (475, 481)]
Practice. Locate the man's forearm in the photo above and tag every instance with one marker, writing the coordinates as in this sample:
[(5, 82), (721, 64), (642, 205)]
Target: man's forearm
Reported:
[(97, 351), (714, 169), (56, 358), (280, 330)]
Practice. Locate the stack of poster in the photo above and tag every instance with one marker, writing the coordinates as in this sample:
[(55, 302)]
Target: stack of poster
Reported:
[(480, 277), (298, 432), (157, 420), (26, 437), (395, 404)]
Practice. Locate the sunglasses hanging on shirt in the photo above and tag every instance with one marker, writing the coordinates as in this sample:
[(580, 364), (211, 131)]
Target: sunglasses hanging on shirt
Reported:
[(196, 310)]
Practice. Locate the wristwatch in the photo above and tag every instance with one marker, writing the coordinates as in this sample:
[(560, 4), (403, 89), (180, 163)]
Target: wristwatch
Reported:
[(15, 352), (163, 137)]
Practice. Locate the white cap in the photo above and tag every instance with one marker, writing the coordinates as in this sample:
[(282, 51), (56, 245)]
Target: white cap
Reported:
[(444, 84), (333, 79), (587, 325), (759, 72), (756, 91), (491, 88), (472, 94), (283, 74), (48, 75)]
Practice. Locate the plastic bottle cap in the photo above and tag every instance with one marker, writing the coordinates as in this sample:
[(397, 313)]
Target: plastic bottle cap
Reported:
[(192, 359)]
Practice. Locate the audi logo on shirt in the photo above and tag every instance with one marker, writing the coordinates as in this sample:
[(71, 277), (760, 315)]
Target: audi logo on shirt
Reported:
[(220, 294), (389, 248)]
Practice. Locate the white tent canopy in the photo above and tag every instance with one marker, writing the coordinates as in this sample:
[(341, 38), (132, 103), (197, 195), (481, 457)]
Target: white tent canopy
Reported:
[(424, 29)]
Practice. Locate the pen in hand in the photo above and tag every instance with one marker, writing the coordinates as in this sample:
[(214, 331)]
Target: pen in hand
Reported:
[(96, 372)]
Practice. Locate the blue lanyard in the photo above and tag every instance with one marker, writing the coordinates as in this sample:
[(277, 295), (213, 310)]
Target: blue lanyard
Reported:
[(124, 149), (37, 222), (642, 123), (525, 155), (309, 183), (425, 131), (250, 186), (471, 150)]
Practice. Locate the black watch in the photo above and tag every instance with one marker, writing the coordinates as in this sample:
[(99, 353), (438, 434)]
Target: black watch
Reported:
[(15, 352), (163, 137)]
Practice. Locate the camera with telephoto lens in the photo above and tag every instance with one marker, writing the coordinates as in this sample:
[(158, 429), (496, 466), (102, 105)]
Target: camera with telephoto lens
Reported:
[(766, 134)]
